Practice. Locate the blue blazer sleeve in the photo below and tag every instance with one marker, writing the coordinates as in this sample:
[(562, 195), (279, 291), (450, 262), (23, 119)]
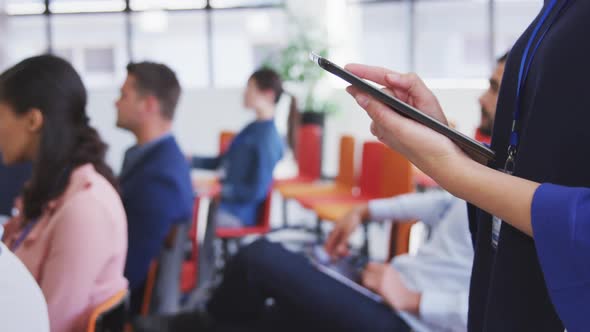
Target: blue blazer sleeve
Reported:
[(152, 211), (560, 218), (210, 163)]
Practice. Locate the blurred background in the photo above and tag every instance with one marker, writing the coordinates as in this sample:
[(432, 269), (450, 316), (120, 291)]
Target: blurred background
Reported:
[(214, 45)]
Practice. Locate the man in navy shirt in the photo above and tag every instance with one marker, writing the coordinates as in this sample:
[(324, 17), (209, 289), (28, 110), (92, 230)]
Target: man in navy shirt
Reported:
[(155, 178)]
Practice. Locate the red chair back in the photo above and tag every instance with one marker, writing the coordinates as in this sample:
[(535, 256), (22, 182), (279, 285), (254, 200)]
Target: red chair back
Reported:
[(371, 165), (309, 151), (261, 228)]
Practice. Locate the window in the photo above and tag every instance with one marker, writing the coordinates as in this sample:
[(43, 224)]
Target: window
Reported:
[(175, 39), (167, 4), (243, 3), (100, 60), (512, 18), (86, 6), (95, 44), (384, 36), (452, 39), (24, 7), (446, 39), (242, 40), (21, 37)]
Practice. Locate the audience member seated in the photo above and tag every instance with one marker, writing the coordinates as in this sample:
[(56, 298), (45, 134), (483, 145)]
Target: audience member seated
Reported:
[(488, 102), (71, 232), (22, 306), (155, 178), (12, 179), (248, 164), (425, 292)]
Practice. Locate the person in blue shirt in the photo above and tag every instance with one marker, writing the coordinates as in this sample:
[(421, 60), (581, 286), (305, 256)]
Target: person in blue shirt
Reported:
[(155, 178), (247, 166), (532, 248)]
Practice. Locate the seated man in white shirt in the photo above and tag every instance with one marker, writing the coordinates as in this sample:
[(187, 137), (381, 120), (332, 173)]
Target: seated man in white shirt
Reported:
[(424, 292), (22, 305)]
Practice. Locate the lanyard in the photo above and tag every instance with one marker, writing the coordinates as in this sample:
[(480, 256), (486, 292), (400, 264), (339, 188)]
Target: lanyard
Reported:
[(23, 235), (525, 66)]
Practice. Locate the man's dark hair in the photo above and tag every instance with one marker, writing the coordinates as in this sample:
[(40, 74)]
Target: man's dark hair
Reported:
[(158, 80)]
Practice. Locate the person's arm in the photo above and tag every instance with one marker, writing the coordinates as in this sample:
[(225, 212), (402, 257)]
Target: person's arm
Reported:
[(78, 252), (561, 228), (427, 207), (337, 243), (556, 218), (209, 163), (438, 156), (486, 188)]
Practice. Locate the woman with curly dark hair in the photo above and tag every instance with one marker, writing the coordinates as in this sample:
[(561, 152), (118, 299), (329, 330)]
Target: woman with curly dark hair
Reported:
[(71, 231)]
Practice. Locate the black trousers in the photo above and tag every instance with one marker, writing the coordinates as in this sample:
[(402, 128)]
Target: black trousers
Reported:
[(303, 298)]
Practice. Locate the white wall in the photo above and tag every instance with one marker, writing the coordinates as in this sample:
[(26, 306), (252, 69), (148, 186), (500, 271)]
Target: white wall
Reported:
[(203, 113)]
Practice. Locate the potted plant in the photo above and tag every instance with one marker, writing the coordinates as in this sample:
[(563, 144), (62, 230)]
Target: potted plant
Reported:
[(293, 64)]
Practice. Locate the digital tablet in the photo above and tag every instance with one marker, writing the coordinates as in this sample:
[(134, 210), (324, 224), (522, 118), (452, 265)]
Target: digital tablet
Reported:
[(347, 271), (473, 148)]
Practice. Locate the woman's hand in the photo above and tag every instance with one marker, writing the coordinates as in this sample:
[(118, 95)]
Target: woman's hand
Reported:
[(423, 146), (438, 156)]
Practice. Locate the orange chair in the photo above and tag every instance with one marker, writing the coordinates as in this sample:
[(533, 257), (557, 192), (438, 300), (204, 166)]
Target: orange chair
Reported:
[(309, 162), (111, 315), (225, 139), (394, 177), (343, 183), (369, 184), (150, 283), (401, 183), (399, 240)]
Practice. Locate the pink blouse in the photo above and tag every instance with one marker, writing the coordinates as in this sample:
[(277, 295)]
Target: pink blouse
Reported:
[(76, 251)]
